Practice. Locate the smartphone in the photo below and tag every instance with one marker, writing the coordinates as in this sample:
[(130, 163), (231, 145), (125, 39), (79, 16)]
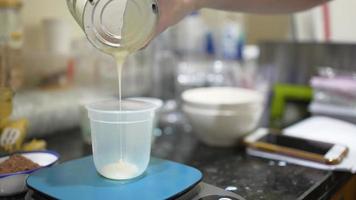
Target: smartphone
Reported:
[(322, 152)]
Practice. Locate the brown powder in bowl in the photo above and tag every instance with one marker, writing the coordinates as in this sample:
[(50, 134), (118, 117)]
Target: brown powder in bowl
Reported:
[(17, 163)]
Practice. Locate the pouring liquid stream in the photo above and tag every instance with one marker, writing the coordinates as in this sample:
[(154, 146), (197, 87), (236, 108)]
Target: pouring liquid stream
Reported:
[(120, 169), (123, 22), (120, 58)]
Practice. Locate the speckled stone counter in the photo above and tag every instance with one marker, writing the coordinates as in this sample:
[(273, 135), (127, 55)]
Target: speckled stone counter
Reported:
[(228, 168)]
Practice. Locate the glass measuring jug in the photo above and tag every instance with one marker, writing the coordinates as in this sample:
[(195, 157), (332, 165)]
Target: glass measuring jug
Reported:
[(112, 24)]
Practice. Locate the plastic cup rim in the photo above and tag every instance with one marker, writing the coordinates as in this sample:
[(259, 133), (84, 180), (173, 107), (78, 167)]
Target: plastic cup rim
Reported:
[(152, 108)]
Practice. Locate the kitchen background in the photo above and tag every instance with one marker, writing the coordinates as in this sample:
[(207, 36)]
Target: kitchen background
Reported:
[(293, 67), (57, 68)]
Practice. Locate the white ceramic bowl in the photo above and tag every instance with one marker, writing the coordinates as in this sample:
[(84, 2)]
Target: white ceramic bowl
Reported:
[(223, 98), (222, 118), (14, 183)]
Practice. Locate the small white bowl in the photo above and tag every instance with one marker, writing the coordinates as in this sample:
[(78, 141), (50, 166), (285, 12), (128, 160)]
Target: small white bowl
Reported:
[(220, 116), (222, 98), (221, 129), (14, 183)]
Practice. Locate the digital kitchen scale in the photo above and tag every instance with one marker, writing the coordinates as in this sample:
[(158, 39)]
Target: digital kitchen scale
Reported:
[(163, 179)]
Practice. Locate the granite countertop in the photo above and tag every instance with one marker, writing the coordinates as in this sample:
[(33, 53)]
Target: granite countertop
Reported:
[(228, 168)]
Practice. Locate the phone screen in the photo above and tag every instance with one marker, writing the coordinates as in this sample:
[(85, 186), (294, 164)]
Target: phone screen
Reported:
[(297, 143)]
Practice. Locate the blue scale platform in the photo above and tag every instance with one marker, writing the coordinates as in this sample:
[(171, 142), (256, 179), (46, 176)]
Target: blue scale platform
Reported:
[(78, 179)]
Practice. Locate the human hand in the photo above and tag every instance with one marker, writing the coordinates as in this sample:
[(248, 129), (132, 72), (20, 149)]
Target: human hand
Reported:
[(172, 11)]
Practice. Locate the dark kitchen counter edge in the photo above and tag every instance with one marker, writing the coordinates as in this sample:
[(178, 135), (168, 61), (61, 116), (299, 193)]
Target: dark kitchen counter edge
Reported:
[(327, 187)]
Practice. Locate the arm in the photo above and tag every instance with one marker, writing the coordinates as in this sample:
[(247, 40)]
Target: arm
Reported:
[(172, 11), (260, 6)]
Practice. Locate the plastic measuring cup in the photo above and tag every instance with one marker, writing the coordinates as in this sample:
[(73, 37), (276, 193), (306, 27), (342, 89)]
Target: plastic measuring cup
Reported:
[(121, 138)]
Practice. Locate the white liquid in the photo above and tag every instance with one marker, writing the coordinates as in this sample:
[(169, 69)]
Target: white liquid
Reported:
[(126, 146), (120, 170), (134, 144), (120, 58)]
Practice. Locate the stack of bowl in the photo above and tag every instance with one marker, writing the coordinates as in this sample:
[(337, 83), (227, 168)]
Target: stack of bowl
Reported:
[(220, 116)]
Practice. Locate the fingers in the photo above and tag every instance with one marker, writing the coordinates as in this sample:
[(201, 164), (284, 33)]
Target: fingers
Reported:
[(173, 11)]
